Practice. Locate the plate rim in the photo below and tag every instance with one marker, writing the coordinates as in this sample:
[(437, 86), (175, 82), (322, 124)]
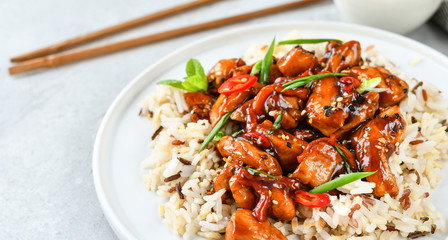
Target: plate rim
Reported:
[(117, 224)]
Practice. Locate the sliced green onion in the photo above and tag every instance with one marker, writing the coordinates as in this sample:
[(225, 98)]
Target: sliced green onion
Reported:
[(266, 64), (215, 130), (368, 85), (260, 173), (307, 41), (278, 120), (340, 181), (347, 165), (235, 134), (219, 135), (256, 68), (305, 80)]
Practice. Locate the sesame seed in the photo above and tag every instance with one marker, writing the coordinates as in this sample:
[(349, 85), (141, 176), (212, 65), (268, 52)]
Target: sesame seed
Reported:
[(339, 99), (274, 202), (397, 115), (283, 136), (382, 140), (243, 79), (271, 113), (217, 73), (334, 108), (345, 94), (287, 137), (295, 139), (303, 112), (352, 108), (377, 146), (327, 113), (270, 193), (288, 144), (326, 107)]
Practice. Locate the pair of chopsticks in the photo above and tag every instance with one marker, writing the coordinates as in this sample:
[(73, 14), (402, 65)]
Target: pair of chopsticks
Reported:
[(49, 57)]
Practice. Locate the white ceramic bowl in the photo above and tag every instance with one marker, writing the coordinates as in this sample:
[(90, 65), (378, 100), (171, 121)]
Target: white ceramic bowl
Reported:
[(399, 16)]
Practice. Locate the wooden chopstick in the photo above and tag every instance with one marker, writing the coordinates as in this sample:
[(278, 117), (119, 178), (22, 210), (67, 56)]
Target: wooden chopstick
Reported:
[(110, 30), (76, 55)]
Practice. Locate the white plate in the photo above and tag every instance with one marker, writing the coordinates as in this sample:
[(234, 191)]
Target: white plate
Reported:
[(121, 142)]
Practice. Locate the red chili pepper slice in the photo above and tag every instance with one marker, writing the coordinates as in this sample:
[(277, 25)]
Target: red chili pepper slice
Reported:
[(349, 83), (259, 138), (312, 199), (237, 84)]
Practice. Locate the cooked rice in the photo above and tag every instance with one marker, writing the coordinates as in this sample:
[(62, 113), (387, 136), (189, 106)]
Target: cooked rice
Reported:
[(356, 215)]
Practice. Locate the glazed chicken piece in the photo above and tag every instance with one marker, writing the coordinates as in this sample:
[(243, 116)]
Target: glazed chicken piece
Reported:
[(307, 134), (200, 103), (222, 71), (270, 101), (396, 88), (319, 106), (225, 104), (341, 56), (286, 146), (241, 112), (359, 113), (374, 143), (222, 179), (249, 154), (264, 195), (320, 162), (296, 62), (243, 226)]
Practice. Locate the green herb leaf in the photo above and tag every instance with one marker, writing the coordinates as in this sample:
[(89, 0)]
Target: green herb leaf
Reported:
[(194, 68), (347, 165), (368, 85), (278, 120), (305, 80), (307, 41), (195, 81), (340, 181), (235, 134), (266, 64), (215, 130), (256, 68), (173, 83), (219, 135), (260, 173)]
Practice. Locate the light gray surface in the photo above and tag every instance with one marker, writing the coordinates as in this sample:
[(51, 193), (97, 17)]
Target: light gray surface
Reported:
[(48, 119)]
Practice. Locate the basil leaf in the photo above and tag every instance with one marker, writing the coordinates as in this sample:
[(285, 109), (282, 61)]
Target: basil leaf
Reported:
[(347, 165), (368, 85), (175, 83), (266, 64), (256, 68), (195, 81), (305, 80), (307, 41), (198, 82), (194, 67), (260, 173), (215, 130), (340, 181)]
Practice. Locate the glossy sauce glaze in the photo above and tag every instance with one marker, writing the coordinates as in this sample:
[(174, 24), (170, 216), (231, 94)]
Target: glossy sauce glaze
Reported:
[(299, 151)]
